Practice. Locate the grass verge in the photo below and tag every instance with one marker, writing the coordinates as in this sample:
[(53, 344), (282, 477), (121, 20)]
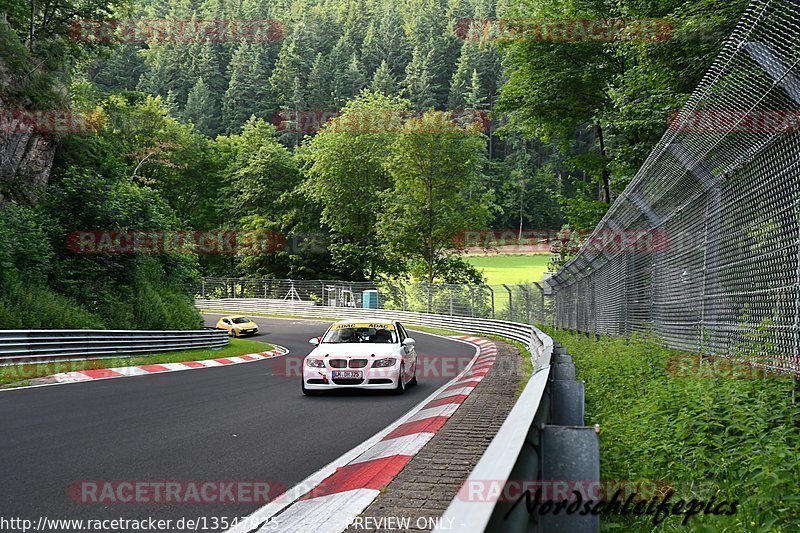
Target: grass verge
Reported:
[(510, 269), (20, 375), (721, 431)]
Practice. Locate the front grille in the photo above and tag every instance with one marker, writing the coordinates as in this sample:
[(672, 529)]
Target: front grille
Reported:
[(316, 381), (358, 363), (338, 363), (348, 381), (380, 381)]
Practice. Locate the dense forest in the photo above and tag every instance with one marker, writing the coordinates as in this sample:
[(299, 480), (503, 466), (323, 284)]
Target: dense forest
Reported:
[(445, 116)]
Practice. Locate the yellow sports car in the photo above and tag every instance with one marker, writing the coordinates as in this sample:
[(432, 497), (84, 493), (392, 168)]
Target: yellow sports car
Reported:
[(237, 326)]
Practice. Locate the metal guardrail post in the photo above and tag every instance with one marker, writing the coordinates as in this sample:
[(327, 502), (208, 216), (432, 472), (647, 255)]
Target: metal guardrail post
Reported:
[(491, 292), (405, 306)]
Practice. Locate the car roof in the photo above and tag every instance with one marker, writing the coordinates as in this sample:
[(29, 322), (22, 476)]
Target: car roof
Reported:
[(235, 316), (366, 321)]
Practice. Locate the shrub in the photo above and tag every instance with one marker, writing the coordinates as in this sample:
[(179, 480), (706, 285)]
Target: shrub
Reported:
[(732, 435)]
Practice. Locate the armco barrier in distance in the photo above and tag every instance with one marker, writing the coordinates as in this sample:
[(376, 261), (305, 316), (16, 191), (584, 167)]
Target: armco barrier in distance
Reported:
[(38, 345)]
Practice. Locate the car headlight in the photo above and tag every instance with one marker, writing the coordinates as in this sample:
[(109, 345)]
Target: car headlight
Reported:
[(315, 363), (383, 363)]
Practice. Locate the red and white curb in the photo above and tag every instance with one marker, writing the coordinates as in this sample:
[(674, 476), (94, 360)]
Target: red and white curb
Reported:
[(329, 500), (159, 368)]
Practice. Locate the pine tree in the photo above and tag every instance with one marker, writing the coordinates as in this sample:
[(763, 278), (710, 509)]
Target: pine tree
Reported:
[(418, 82), (475, 97), (349, 83), (319, 84), (262, 102), (171, 103), (200, 108), (235, 102), (438, 71), (288, 66), (386, 41), (467, 63), (383, 81), (207, 67)]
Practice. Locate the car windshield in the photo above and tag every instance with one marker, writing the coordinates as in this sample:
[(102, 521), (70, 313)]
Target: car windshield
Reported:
[(361, 333), (240, 320)]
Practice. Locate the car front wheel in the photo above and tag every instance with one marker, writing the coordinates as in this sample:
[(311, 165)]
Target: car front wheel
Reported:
[(401, 381)]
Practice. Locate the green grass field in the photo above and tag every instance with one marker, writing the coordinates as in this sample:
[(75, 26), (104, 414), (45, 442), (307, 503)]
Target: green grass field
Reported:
[(510, 269)]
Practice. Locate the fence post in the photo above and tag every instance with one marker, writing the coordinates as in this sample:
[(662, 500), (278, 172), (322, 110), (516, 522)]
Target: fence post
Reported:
[(404, 296), (451, 299), (541, 303), (429, 297), (203, 288), (233, 288), (510, 303), (491, 292), (527, 303), (472, 301)]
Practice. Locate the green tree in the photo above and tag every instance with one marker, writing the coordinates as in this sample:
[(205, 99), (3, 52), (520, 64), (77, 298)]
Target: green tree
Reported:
[(383, 81), (618, 92), (319, 84), (418, 83), (260, 171), (459, 84), (436, 167), (386, 41), (200, 109), (235, 103), (475, 97), (345, 174)]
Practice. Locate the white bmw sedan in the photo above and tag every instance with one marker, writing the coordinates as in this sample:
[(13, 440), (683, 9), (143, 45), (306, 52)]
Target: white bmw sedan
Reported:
[(375, 354)]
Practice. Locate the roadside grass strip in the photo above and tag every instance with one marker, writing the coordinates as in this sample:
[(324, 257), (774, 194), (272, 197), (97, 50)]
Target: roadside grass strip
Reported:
[(142, 370), (94, 374), (329, 500)]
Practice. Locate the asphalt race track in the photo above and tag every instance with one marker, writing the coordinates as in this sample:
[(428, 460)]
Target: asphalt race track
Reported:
[(247, 422)]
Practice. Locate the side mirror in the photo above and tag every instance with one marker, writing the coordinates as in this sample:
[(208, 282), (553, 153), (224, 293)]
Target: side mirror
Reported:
[(314, 341), (408, 341)]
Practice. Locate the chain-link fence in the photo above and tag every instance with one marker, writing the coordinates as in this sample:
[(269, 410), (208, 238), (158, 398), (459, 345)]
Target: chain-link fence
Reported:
[(702, 249), (518, 303)]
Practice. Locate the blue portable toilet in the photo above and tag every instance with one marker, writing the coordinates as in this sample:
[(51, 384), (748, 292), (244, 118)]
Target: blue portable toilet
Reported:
[(369, 299)]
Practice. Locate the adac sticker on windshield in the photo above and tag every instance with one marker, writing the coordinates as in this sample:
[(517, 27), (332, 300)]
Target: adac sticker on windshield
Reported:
[(356, 325)]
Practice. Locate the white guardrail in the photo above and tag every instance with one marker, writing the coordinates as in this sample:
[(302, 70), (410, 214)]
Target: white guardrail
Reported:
[(38, 345), (510, 450)]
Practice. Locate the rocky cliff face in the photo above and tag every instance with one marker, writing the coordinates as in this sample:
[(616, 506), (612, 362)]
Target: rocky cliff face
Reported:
[(26, 157)]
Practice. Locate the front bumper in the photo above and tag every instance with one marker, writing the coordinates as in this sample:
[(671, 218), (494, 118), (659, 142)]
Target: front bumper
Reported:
[(379, 378)]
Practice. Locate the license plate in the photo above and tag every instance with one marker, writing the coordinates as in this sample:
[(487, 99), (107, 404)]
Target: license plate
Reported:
[(347, 374)]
